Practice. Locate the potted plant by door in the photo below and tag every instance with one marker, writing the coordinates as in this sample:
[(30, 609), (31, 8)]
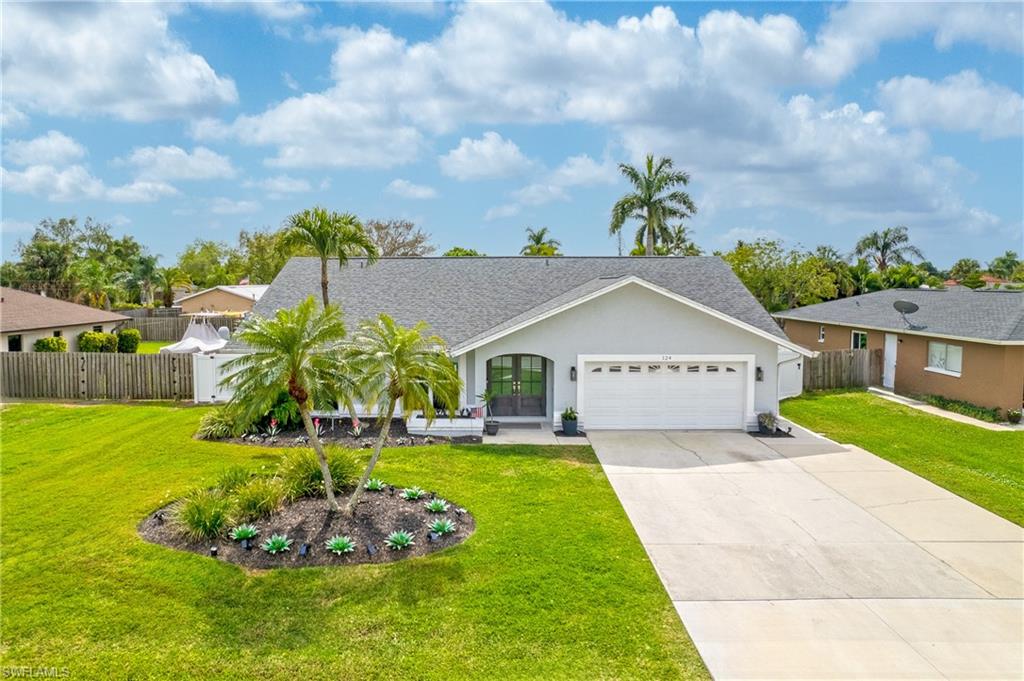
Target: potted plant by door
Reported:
[(490, 425), (767, 422), (570, 421)]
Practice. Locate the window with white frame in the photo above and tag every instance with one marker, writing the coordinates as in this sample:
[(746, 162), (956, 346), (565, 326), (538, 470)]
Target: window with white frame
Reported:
[(821, 333), (945, 358), (859, 340)]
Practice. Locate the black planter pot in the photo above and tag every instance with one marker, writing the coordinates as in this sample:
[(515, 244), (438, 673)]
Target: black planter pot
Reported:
[(570, 427), (491, 427)]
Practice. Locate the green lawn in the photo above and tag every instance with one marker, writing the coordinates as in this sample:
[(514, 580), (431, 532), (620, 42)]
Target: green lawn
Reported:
[(151, 347), (984, 466), (553, 584)]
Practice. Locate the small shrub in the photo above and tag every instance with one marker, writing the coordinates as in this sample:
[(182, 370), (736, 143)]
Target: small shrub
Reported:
[(285, 411), (277, 543), (51, 344), (128, 340), (339, 544), (399, 540), (219, 424), (962, 407), (413, 493), (247, 531), (97, 341), (442, 526), (300, 474), (232, 478), (375, 485), (569, 414), (1013, 415), (204, 514), (768, 420), (257, 498), (436, 506)]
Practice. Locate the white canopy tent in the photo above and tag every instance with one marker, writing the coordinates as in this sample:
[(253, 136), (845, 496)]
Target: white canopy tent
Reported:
[(200, 336)]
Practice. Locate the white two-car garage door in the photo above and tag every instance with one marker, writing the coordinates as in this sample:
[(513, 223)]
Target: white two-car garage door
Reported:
[(693, 394)]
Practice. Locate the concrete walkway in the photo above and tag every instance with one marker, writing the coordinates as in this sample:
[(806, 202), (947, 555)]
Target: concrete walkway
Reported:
[(801, 558)]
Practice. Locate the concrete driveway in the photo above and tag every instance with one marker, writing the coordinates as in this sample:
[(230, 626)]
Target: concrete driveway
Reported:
[(801, 558)]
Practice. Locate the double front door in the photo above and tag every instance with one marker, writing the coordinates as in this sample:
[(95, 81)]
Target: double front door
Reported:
[(518, 383)]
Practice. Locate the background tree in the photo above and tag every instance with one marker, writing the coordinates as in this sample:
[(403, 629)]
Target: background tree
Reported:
[(207, 263), (297, 350), (964, 267), (891, 246), (654, 200), (167, 280), (678, 242), (93, 284), (864, 279), (972, 280), (329, 235), (839, 268), (780, 279), (539, 243), (460, 252), (393, 365), (1004, 265), (395, 238), (904, 275), (263, 253)]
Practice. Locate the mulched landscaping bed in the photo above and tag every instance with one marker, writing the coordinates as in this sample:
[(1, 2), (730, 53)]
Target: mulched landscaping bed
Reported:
[(338, 434), (307, 521)]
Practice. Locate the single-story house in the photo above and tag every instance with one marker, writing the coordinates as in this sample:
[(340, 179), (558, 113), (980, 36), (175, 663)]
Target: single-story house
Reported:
[(222, 299), (629, 342), (26, 317), (961, 344)]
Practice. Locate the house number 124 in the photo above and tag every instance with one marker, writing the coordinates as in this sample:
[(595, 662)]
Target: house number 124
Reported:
[(666, 358)]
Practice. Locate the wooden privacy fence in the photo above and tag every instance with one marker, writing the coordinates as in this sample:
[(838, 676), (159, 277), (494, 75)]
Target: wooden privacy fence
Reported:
[(843, 369), (95, 376), (173, 328)]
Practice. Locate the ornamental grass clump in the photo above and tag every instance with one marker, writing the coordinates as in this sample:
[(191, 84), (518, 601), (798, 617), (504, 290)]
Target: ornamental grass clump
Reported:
[(204, 514), (301, 475), (257, 498)]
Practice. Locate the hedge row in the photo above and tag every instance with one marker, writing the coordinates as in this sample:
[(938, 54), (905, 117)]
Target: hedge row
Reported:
[(93, 341)]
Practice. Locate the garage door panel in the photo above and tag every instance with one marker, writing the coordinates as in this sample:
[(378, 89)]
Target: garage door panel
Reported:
[(694, 394)]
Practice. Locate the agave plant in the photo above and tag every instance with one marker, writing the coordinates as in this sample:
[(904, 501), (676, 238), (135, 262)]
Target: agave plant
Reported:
[(436, 506), (399, 540), (246, 531), (413, 493), (442, 526), (375, 485), (340, 544), (277, 543)]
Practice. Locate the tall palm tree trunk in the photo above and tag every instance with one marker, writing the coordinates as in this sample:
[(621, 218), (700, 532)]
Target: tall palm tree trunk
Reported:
[(649, 248), (314, 440), (323, 281), (381, 439)]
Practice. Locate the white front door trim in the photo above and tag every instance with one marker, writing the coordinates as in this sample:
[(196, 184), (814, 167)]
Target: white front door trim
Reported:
[(750, 417), (889, 361)]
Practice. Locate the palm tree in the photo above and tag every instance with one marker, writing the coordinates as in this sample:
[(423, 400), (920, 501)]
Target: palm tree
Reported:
[(840, 269), (677, 242), (93, 283), (298, 350), (168, 279), (395, 364), (891, 246), (538, 243), (654, 200), (329, 235)]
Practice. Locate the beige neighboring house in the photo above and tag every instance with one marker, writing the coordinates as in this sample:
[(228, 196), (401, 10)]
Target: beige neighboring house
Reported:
[(26, 317), (222, 299)]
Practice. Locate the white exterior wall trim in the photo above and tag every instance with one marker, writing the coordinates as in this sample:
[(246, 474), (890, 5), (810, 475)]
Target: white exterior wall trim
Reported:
[(633, 279), (749, 414)]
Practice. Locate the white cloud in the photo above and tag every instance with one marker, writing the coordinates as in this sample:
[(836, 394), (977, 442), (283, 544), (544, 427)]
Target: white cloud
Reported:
[(504, 211), (280, 186), (75, 183), (280, 10), (289, 81), (174, 163), (116, 59), (582, 170), (9, 226), (408, 190), (10, 117), (540, 193), (960, 102), (53, 148), (225, 206), (489, 157)]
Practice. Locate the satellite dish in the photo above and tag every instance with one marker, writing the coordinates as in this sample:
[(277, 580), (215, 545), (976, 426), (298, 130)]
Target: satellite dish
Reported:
[(905, 307)]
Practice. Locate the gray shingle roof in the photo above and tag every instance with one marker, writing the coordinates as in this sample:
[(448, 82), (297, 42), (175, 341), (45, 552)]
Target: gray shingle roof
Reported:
[(985, 315), (465, 298)]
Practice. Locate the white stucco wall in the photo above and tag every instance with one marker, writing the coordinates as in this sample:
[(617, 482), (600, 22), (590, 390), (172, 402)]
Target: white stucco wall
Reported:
[(631, 320), (28, 338)]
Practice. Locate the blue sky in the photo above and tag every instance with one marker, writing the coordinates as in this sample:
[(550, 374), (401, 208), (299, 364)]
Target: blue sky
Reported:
[(813, 123)]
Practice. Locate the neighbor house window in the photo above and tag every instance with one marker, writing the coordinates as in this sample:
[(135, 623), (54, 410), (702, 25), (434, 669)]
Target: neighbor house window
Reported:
[(821, 334), (859, 340), (14, 343), (98, 328), (945, 358), (58, 333)]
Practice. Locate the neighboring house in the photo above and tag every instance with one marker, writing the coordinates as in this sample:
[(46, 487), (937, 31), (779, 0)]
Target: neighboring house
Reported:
[(26, 317), (629, 342), (222, 299), (962, 344)]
